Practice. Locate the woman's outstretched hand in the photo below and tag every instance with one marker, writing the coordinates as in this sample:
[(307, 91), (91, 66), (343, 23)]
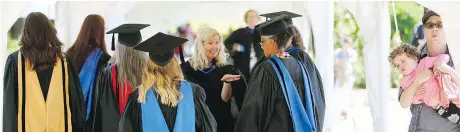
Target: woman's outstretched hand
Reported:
[(230, 78)]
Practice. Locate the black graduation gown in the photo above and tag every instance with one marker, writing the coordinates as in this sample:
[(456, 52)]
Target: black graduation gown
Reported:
[(106, 114), (102, 63), (242, 59), (264, 108), (131, 121), (317, 91), (212, 85), (316, 85), (10, 94)]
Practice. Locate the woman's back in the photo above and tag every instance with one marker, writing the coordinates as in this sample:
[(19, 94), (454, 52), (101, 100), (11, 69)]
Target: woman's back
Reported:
[(131, 120), (275, 116)]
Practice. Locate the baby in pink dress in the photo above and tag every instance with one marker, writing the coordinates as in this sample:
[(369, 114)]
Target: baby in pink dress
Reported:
[(439, 90), (434, 92)]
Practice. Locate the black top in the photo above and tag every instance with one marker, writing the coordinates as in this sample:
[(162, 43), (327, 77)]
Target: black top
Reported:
[(243, 36), (10, 97), (212, 85), (131, 121), (265, 108)]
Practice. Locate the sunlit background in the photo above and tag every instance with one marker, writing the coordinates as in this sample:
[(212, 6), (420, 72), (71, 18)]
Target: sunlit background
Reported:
[(357, 116)]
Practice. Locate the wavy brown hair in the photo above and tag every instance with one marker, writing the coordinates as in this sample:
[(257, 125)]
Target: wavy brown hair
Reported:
[(39, 43), (410, 51), (165, 80), (297, 37), (91, 36)]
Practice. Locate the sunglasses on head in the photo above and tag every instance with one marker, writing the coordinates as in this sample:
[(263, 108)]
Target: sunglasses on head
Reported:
[(431, 25)]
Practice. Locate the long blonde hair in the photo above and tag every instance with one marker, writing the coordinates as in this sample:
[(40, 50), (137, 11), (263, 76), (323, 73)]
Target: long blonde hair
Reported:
[(199, 60), (130, 64), (165, 80)]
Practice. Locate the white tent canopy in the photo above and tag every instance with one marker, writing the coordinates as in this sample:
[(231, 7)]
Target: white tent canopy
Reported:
[(372, 18)]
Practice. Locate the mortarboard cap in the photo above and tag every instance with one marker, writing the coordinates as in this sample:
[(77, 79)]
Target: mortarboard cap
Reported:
[(160, 47), (128, 34), (273, 26), (288, 19)]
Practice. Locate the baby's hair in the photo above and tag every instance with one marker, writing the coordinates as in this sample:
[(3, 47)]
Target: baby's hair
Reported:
[(410, 51)]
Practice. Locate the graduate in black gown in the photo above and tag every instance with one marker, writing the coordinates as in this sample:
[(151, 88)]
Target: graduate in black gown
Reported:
[(296, 50), (278, 97), (240, 42), (180, 106), (208, 68), (116, 81), (41, 87), (89, 56)]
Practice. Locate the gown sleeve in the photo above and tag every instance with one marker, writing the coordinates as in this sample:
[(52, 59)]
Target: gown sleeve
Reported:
[(91, 125), (10, 96), (230, 41), (205, 121), (131, 121), (77, 105), (106, 116), (316, 85), (257, 110), (239, 88)]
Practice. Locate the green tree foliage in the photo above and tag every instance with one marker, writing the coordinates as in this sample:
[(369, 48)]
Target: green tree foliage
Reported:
[(408, 14), (345, 24), (13, 44)]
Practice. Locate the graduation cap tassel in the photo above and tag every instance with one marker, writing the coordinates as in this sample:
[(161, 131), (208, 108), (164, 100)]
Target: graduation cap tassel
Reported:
[(181, 54), (113, 42)]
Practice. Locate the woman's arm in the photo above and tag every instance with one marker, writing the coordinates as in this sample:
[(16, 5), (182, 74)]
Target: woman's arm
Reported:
[(226, 92), (408, 94)]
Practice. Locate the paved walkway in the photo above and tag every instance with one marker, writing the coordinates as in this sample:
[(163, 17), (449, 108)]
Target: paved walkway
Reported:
[(360, 120)]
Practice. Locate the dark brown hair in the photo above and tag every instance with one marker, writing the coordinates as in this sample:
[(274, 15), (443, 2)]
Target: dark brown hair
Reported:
[(296, 37), (39, 43), (282, 39), (410, 51), (91, 36)]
